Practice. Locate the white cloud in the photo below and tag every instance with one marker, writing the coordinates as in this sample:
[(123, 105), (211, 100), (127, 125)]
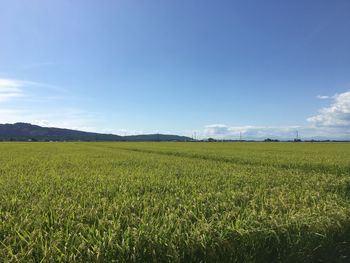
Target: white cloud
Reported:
[(221, 131), (122, 132), (217, 130), (322, 97), (43, 123), (337, 115), (249, 132), (332, 122)]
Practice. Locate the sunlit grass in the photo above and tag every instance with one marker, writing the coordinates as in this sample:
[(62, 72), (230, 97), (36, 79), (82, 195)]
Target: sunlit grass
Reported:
[(177, 202)]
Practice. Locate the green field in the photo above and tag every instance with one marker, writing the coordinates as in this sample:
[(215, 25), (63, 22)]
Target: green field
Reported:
[(175, 202)]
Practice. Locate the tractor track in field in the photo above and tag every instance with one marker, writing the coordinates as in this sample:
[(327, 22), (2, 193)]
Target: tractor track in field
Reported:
[(303, 167)]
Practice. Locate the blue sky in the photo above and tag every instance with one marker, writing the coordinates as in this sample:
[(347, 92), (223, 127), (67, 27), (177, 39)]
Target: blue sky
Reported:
[(217, 68)]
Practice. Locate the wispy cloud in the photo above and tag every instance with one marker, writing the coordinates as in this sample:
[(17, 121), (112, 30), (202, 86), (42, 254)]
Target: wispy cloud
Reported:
[(323, 97), (37, 65), (29, 101), (10, 89), (15, 88)]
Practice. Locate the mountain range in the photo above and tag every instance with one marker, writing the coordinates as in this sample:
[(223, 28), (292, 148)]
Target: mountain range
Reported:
[(28, 132)]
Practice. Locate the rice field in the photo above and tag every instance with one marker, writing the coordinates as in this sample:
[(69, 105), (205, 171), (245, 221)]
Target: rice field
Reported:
[(174, 202)]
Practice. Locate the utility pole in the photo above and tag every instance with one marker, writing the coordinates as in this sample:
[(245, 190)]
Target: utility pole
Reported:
[(297, 136), (240, 136)]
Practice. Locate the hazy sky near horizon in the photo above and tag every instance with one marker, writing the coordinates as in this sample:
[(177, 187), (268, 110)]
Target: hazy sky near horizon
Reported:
[(217, 68)]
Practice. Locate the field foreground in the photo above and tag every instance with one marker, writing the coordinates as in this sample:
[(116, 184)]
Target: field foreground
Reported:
[(175, 202)]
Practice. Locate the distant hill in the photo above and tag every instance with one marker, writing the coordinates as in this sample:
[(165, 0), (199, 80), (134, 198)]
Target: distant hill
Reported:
[(29, 132)]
